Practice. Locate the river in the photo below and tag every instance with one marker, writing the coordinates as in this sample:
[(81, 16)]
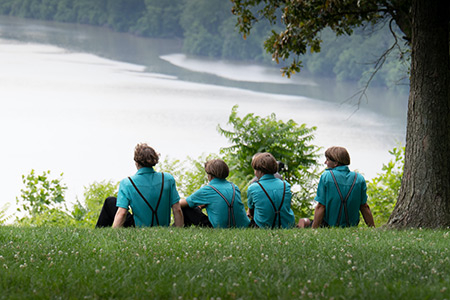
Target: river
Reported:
[(76, 99)]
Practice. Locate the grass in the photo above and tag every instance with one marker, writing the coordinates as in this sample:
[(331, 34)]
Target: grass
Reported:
[(193, 263)]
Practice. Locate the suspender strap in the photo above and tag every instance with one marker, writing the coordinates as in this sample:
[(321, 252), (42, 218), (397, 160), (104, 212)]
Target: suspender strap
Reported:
[(343, 201), (154, 211), (277, 211), (230, 206)]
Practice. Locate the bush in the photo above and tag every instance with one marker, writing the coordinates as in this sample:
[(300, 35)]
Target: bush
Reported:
[(40, 192), (382, 191), (287, 141), (3, 216), (42, 200), (94, 195), (189, 175)]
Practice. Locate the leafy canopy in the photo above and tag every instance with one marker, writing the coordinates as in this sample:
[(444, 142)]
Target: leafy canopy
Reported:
[(303, 22)]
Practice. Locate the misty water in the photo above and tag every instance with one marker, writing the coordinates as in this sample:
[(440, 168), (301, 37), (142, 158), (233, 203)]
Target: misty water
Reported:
[(76, 100)]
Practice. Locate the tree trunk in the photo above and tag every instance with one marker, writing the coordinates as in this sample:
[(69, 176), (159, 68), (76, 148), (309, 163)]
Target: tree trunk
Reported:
[(424, 199)]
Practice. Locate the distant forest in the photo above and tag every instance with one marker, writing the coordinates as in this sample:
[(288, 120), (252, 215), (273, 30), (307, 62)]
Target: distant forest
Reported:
[(208, 28)]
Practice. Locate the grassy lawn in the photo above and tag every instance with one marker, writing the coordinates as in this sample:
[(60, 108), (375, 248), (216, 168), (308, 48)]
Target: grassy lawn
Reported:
[(170, 263)]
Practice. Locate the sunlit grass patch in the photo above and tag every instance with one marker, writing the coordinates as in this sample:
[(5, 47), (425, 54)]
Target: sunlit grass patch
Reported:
[(171, 263)]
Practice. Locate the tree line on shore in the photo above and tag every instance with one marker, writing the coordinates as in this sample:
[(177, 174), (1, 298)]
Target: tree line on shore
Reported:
[(208, 28)]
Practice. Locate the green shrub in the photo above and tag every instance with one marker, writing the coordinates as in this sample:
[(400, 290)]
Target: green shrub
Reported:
[(189, 174), (382, 191), (288, 142), (40, 192), (94, 195), (42, 201), (3, 217)]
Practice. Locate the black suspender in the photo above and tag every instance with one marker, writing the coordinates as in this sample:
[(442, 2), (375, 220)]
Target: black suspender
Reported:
[(277, 211), (343, 201), (154, 211), (230, 206)]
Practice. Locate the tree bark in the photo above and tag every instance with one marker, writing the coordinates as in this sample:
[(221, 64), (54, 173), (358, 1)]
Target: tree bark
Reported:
[(424, 199)]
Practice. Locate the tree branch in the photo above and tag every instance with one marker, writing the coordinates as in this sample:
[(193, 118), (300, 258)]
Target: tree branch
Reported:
[(378, 65)]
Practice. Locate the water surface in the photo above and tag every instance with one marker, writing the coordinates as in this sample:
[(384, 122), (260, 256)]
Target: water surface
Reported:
[(77, 99)]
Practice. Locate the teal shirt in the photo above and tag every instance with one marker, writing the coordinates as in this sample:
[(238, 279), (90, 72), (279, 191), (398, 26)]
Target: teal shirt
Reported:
[(149, 184), (216, 207), (264, 213), (327, 194)]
